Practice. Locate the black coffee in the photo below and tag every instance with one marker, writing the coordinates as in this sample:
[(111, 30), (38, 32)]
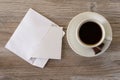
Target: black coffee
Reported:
[(90, 33)]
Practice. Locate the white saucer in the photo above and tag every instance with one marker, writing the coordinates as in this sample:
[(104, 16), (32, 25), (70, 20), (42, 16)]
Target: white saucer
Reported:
[(71, 33)]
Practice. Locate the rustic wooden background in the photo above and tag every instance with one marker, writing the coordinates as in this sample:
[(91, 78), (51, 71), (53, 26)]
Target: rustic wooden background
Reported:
[(72, 66)]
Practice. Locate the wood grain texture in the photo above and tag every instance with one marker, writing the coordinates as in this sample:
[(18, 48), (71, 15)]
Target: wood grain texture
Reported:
[(72, 66)]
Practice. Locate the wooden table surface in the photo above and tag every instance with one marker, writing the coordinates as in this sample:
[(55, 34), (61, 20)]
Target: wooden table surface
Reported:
[(72, 66)]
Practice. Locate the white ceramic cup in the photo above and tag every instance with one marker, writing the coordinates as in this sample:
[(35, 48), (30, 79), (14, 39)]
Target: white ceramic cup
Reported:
[(90, 45)]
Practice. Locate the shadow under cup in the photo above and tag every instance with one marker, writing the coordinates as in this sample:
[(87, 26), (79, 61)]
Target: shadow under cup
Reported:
[(90, 34)]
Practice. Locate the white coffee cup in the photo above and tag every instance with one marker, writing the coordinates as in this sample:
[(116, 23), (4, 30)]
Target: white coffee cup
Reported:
[(88, 45)]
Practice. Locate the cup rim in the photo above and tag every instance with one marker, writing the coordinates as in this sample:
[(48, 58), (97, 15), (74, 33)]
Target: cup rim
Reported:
[(89, 45)]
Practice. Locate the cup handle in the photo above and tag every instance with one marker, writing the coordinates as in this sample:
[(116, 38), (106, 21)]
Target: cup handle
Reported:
[(98, 48)]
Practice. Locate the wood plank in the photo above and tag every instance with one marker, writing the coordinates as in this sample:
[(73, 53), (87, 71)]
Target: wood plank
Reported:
[(72, 66)]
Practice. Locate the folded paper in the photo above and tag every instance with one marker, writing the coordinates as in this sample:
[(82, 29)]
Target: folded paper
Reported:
[(36, 39)]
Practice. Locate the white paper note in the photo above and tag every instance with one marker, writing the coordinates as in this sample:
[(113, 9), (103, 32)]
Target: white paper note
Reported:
[(36, 39), (50, 44)]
